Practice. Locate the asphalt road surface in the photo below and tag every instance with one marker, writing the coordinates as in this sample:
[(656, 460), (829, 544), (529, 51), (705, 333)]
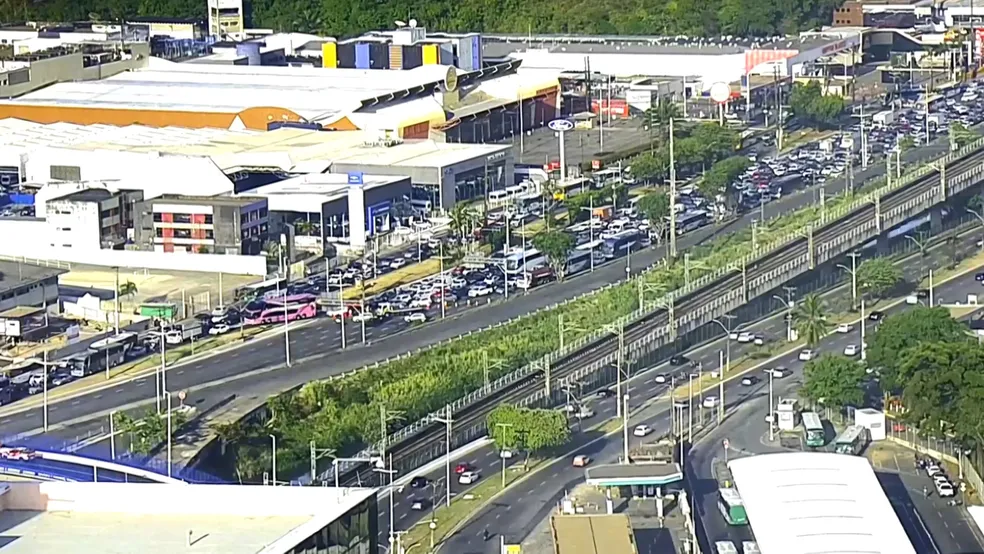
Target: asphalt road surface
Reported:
[(543, 145), (520, 509)]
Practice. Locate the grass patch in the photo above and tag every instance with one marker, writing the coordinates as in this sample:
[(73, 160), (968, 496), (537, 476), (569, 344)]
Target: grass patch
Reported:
[(464, 505), (408, 274)]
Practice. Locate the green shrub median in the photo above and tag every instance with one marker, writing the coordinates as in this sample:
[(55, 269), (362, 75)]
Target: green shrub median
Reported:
[(343, 414)]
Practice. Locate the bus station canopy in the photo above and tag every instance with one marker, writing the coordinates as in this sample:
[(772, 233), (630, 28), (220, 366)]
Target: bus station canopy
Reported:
[(816, 502), (626, 475)]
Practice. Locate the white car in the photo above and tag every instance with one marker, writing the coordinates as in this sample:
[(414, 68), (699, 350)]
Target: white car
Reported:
[(479, 291), (845, 328), (468, 477), (733, 335), (945, 490), (17, 453), (759, 340), (805, 355), (642, 430), (711, 402), (398, 263), (777, 372), (661, 379), (364, 316), (745, 337), (219, 311), (416, 317), (851, 350), (219, 329)]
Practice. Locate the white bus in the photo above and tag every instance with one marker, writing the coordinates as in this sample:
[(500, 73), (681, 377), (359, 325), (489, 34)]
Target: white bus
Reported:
[(853, 440), (524, 261)]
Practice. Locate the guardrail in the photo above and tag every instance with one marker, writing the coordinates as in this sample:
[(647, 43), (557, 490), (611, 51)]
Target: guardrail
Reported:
[(6, 470), (669, 298)]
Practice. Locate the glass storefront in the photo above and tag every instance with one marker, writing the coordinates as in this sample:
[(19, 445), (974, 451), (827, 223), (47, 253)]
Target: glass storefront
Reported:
[(353, 533), (480, 181)]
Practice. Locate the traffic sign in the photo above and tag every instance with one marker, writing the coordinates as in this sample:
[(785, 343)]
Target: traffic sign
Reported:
[(560, 125), (182, 395), (726, 443), (720, 92)]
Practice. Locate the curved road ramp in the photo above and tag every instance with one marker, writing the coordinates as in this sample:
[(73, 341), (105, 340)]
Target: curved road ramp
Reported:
[(162, 518)]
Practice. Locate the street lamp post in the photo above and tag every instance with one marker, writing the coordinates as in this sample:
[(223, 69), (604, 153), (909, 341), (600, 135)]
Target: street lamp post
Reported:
[(625, 429), (502, 459), (286, 331), (112, 436), (341, 312), (864, 350), (853, 271), (772, 412), (980, 217), (274, 460), (168, 393), (789, 305), (728, 331), (447, 421)]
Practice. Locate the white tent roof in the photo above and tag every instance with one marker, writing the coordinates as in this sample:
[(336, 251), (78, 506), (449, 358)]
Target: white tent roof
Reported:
[(817, 503)]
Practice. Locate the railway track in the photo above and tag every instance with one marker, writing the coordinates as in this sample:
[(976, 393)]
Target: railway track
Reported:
[(606, 347)]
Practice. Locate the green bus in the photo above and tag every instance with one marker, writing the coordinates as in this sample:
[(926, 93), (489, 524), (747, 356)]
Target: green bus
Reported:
[(732, 507), (813, 427), (852, 441)]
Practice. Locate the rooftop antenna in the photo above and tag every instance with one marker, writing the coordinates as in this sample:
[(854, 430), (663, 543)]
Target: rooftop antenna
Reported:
[(400, 23)]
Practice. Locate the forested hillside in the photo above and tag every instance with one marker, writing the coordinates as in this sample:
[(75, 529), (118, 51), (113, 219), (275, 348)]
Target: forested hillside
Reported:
[(350, 17)]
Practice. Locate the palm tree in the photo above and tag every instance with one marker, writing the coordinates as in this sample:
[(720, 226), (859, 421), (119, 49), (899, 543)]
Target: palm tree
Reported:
[(304, 227), (463, 219), (810, 319)]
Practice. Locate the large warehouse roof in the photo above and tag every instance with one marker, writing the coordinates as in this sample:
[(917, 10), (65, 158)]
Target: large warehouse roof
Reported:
[(286, 149), (316, 94), (812, 503)]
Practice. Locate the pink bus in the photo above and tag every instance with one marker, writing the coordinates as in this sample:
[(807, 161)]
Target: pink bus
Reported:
[(292, 299), (294, 312)]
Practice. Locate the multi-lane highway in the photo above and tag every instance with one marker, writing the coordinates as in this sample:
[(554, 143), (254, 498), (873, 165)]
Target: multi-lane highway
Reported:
[(315, 348), (517, 512)]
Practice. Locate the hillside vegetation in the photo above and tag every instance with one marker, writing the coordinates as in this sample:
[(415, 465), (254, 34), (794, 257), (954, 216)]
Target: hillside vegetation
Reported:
[(349, 17)]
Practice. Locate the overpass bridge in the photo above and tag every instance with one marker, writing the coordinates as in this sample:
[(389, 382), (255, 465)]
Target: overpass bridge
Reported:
[(685, 317), (57, 466)]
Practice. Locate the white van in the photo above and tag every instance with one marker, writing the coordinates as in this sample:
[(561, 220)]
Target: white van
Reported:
[(725, 547), (750, 547)]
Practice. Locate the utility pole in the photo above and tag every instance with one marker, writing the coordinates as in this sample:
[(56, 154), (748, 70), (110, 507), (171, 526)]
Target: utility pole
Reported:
[(772, 413), (625, 429), (317, 453), (673, 193), (853, 271), (447, 421), (502, 459), (116, 296)]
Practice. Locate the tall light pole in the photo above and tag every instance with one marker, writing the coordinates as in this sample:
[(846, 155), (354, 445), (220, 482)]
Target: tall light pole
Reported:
[(853, 271), (447, 420), (502, 459), (772, 413), (618, 330), (673, 193), (728, 330), (590, 209), (44, 365), (341, 312), (274, 460), (864, 349), (159, 379), (625, 429), (980, 217), (789, 305), (169, 432), (286, 330), (112, 435), (690, 411)]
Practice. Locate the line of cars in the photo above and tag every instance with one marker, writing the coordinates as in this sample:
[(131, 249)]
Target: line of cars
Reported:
[(937, 473)]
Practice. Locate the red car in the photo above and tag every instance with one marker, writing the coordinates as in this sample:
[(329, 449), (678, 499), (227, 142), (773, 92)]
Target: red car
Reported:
[(463, 467), (17, 453)]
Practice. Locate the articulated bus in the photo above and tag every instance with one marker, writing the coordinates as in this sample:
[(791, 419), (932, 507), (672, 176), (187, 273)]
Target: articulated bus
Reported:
[(732, 507), (524, 261), (813, 428), (292, 312)]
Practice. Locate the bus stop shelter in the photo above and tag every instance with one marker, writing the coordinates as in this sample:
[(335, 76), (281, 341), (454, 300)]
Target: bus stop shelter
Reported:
[(645, 480)]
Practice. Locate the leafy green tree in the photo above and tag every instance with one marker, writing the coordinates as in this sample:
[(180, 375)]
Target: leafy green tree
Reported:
[(655, 207), (514, 428), (148, 432), (888, 343), (878, 276), (810, 319), (657, 120), (937, 376), (557, 246), (810, 105), (833, 381), (128, 289), (717, 180), (714, 142), (650, 167)]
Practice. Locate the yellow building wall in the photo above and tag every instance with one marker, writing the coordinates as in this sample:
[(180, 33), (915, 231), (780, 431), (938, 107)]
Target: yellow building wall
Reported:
[(431, 54), (329, 55)]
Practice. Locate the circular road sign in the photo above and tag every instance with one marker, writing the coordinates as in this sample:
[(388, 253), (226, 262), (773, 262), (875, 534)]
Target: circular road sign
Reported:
[(720, 92), (726, 443), (560, 125), (182, 395)]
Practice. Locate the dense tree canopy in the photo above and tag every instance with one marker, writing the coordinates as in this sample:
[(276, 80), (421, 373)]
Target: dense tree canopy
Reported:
[(557, 246), (810, 105), (834, 381), (908, 329), (345, 18), (527, 429), (878, 276)]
